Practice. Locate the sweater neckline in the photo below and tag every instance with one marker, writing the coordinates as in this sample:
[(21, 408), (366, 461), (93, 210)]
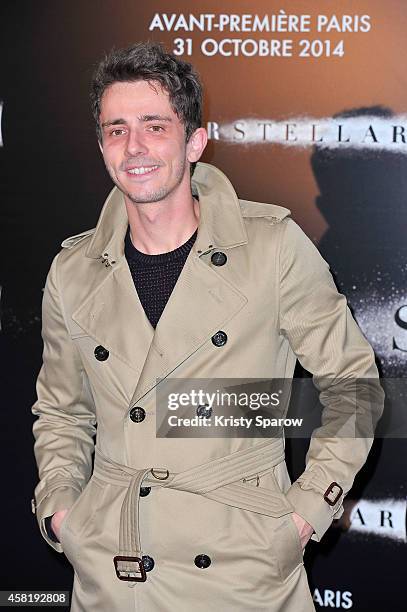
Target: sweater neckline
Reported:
[(152, 260)]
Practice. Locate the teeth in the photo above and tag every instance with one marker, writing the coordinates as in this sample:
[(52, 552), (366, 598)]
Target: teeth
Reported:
[(142, 170)]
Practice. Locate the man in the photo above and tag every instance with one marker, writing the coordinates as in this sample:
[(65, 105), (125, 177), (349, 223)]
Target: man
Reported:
[(183, 281)]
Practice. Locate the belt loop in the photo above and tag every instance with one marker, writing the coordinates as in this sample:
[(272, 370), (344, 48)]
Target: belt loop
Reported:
[(155, 471)]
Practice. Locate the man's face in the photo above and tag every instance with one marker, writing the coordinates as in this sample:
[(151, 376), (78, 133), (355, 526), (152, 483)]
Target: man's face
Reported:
[(143, 142)]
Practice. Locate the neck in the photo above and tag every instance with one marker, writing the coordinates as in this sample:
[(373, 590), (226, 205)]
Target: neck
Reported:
[(160, 227)]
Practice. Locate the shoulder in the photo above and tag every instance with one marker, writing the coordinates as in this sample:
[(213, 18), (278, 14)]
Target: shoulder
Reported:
[(276, 215), (265, 226), (259, 217), (71, 260), (271, 212)]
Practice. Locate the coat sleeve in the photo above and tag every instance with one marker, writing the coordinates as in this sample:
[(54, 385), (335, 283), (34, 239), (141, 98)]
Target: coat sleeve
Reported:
[(66, 420), (321, 331)]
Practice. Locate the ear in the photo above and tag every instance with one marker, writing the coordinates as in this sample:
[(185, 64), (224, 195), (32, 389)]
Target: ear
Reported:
[(196, 144)]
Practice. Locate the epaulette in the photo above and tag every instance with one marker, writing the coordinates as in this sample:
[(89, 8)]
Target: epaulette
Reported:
[(261, 209), (70, 242)]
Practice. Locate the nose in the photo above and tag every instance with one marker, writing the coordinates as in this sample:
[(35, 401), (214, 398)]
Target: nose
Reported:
[(135, 144)]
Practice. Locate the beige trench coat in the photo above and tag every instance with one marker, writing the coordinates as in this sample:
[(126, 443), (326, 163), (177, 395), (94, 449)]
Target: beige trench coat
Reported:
[(276, 301)]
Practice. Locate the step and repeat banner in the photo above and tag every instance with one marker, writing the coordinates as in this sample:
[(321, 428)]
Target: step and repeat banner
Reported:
[(305, 107)]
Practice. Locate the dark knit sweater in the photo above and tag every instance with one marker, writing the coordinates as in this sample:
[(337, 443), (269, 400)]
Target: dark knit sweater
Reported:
[(155, 276)]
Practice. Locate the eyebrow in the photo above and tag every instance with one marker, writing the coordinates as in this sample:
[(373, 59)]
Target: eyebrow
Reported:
[(144, 118), (154, 118), (113, 122)]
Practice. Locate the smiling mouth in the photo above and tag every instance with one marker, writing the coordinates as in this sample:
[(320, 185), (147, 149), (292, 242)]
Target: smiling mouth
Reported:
[(142, 170)]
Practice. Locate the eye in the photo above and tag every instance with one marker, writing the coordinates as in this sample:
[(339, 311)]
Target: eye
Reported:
[(156, 128), (117, 132)]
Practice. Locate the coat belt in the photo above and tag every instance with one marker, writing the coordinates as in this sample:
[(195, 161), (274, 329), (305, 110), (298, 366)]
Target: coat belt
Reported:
[(222, 480)]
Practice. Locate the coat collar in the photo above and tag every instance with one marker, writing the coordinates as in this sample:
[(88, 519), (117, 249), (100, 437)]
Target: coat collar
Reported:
[(220, 224)]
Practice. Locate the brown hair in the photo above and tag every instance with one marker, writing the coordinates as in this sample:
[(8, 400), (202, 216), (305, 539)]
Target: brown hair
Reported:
[(149, 61)]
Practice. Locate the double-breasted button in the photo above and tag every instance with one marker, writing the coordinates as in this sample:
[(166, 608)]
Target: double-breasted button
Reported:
[(101, 353), (220, 338), (137, 414), (218, 258), (202, 561), (204, 411), (148, 563), (144, 491)]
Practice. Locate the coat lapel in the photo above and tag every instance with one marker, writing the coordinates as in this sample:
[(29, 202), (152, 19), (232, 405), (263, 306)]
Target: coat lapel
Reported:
[(200, 305), (112, 313), (115, 318)]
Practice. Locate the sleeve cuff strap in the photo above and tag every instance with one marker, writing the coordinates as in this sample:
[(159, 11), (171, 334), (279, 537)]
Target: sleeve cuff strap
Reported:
[(313, 508)]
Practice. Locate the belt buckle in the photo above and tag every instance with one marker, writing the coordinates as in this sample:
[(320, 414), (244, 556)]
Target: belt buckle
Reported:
[(119, 573), (330, 490)]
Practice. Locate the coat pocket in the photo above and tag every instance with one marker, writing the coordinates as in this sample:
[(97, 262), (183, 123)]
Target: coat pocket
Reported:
[(286, 546), (79, 519), (285, 542)]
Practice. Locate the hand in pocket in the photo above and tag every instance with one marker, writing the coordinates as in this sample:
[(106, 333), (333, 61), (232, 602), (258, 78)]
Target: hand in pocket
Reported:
[(305, 530), (56, 522)]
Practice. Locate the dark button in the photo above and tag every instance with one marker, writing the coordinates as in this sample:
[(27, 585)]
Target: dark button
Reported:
[(202, 561), (219, 339), (144, 491), (101, 353), (219, 258), (137, 414), (204, 411), (148, 563)]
